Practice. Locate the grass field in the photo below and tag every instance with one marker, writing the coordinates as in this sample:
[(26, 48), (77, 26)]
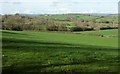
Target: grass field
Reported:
[(25, 52), (81, 17), (109, 33)]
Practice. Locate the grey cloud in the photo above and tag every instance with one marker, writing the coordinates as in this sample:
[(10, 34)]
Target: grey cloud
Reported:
[(55, 3), (64, 2), (16, 2), (10, 2)]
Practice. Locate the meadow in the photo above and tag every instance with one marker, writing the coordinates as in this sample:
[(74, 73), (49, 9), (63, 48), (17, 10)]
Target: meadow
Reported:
[(29, 51), (106, 33)]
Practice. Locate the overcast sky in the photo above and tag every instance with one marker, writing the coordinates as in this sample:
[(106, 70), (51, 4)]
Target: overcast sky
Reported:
[(58, 6)]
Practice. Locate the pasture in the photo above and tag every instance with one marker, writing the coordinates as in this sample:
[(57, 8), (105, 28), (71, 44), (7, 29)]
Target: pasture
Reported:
[(107, 33), (27, 51)]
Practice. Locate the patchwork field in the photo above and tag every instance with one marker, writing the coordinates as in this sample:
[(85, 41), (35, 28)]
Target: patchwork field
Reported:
[(25, 52)]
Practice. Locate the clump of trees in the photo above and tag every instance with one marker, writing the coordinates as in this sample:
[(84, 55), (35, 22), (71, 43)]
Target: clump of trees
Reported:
[(21, 22)]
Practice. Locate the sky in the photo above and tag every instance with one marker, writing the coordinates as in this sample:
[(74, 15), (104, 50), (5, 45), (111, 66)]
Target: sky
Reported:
[(58, 6)]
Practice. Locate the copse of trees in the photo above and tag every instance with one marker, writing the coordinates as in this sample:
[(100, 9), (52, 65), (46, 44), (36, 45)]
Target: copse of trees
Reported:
[(21, 22)]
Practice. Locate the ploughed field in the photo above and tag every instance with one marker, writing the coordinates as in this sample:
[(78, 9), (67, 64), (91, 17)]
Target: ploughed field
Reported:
[(25, 51)]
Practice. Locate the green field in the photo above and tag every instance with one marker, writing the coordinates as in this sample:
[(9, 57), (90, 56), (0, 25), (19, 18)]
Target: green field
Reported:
[(25, 51), (82, 17), (109, 33)]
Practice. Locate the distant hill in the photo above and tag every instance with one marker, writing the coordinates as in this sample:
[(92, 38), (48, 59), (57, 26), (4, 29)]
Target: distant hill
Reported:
[(93, 14), (60, 22)]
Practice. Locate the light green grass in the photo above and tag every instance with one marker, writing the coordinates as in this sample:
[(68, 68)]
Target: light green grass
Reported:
[(58, 52), (113, 32)]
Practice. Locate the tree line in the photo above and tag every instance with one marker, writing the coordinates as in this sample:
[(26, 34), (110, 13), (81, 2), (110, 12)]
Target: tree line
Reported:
[(36, 23)]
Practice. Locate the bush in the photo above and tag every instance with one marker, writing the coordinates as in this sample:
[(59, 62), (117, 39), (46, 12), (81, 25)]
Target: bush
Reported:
[(17, 28), (52, 28), (75, 29)]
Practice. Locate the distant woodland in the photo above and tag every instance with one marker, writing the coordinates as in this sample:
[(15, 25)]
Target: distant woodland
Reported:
[(61, 22)]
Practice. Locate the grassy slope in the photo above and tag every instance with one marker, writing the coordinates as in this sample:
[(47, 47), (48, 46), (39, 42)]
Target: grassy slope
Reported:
[(82, 17), (46, 52), (113, 32)]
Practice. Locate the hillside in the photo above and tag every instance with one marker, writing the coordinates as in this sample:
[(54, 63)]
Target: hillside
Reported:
[(43, 52), (59, 22)]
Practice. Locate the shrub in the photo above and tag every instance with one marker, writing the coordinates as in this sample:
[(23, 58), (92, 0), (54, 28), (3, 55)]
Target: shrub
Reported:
[(17, 28), (52, 28)]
